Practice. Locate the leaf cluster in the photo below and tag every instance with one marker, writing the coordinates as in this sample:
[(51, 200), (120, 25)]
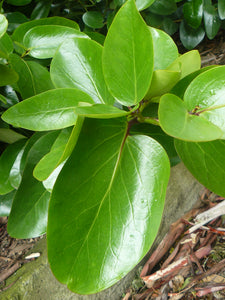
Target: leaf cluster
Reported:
[(90, 132)]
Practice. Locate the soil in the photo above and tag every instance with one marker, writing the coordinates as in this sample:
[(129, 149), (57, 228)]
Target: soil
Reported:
[(13, 251)]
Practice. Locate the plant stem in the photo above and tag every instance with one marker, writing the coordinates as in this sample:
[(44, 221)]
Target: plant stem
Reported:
[(148, 120)]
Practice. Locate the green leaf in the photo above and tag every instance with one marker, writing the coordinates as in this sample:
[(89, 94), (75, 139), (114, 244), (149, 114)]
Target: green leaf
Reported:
[(162, 82), (6, 46), (78, 64), (28, 219), (221, 9), (206, 162), (193, 12), (60, 151), (15, 19), (93, 19), (7, 75), (100, 111), (6, 204), (41, 10), (117, 191), (96, 36), (177, 121), (7, 160), (15, 175), (9, 94), (187, 63), (42, 41), (20, 32), (165, 50), (163, 7), (29, 82), (18, 2), (54, 109), (212, 21), (143, 4), (128, 56), (169, 26), (191, 37), (10, 136), (206, 95), (3, 25)]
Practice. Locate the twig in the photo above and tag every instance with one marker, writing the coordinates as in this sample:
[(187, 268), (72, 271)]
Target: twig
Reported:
[(10, 271)]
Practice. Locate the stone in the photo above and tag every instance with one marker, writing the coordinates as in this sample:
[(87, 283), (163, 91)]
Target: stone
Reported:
[(35, 281)]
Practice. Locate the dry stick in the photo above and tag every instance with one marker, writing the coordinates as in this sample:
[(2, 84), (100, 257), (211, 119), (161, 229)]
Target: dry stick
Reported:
[(10, 271)]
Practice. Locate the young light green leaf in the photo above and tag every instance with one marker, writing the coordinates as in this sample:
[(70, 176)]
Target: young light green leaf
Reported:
[(7, 160), (20, 31), (3, 25), (206, 96), (99, 198), (187, 63), (100, 111), (78, 64), (54, 109), (42, 41), (162, 82), (30, 72), (128, 56), (28, 219), (6, 203), (177, 121), (165, 50), (7, 75), (206, 162)]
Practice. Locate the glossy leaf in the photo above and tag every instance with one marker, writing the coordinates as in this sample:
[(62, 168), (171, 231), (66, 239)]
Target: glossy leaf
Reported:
[(169, 26), (165, 50), (163, 7), (19, 2), (7, 75), (206, 162), (177, 121), (211, 20), (100, 111), (187, 63), (41, 10), (93, 19), (10, 136), (221, 9), (6, 203), (54, 109), (29, 82), (193, 12), (78, 64), (162, 82), (6, 46), (9, 94), (60, 151), (20, 32), (7, 160), (128, 56), (15, 175), (3, 25), (28, 219), (206, 95), (143, 4), (43, 41), (102, 197), (191, 37)]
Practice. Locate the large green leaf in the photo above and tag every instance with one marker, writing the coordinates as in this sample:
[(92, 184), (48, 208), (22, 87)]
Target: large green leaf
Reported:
[(177, 121), (206, 162), (100, 111), (20, 31), (206, 96), (6, 46), (42, 41), (6, 203), (191, 37), (33, 78), (28, 216), (7, 160), (165, 50), (7, 75), (78, 64), (3, 25), (128, 56), (54, 109), (193, 12), (211, 20), (112, 191)]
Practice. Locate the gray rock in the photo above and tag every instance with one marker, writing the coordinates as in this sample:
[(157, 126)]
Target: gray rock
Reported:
[(35, 281)]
